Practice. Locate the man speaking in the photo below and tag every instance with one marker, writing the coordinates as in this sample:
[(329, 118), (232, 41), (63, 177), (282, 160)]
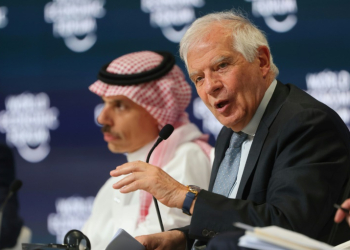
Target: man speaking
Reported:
[(282, 158), (142, 92)]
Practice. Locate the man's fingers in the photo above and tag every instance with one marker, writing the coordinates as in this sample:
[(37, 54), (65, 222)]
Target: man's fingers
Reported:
[(152, 241), (339, 216), (125, 181), (152, 179), (346, 204), (142, 239), (128, 168), (161, 241), (146, 241), (130, 183)]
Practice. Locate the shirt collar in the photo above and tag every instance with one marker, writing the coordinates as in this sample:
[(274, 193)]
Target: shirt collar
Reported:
[(140, 154), (252, 126)]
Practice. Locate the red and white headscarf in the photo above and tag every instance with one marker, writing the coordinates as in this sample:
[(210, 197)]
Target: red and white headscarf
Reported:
[(165, 99)]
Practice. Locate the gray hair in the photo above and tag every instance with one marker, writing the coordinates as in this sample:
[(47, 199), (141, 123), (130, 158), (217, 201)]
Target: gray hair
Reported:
[(247, 37)]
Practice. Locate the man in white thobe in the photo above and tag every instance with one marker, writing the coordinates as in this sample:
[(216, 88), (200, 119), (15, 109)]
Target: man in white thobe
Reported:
[(142, 92)]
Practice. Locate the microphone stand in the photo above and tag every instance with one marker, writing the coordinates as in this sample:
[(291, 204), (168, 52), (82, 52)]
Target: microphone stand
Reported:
[(154, 199)]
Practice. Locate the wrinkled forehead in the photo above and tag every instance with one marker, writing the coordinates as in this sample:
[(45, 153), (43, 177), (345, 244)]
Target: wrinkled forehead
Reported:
[(213, 49), (208, 33)]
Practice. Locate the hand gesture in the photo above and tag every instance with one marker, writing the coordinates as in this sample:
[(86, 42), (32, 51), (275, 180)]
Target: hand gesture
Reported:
[(141, 175)]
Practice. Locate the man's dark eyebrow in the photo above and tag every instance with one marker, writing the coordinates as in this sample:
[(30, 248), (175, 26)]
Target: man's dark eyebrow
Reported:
[(117, 101)]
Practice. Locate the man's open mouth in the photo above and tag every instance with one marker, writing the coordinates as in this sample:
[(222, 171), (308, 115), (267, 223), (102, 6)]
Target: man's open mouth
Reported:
[(221, 104)]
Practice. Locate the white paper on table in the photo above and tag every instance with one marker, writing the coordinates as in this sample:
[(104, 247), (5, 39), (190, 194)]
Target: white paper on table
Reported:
[(255, 243), (343, 246), (279, 237)]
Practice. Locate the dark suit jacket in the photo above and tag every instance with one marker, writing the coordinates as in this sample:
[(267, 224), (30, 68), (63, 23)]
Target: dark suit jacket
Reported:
[(296, 170), (11, 223)]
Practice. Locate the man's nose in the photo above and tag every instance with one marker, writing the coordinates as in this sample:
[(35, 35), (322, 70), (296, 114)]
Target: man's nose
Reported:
[(104, 117), (212, 84)]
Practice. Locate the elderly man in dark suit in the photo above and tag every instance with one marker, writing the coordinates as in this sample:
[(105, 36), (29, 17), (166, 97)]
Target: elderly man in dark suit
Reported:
[(282, 158)]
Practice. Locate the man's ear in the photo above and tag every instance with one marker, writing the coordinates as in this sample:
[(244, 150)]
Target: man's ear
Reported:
[(264, 60)]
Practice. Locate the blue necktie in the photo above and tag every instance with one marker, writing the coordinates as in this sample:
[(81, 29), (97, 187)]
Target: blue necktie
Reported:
[(227, 174)]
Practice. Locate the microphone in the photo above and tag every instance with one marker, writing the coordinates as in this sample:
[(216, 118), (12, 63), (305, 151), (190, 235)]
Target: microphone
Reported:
[(166, 131), (164, 134), (15, 186)]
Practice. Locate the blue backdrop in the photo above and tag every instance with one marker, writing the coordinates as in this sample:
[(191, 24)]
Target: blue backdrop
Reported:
[(51, 51)]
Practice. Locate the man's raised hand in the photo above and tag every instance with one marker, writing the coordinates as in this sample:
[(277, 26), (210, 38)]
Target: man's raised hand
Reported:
[(152, 179)]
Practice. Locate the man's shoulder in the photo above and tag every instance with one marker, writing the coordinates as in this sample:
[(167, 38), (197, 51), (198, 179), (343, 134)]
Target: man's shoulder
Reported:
[(300, 98), (299, 101), (300, 111)]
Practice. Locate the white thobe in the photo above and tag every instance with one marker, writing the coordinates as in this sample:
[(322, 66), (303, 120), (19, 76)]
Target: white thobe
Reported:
[(113, 210)]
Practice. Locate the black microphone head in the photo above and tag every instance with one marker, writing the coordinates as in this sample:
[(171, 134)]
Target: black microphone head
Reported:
[(16, 184), (166, 131)]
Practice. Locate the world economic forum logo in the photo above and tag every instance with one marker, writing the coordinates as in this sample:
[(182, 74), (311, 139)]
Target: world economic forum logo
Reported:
[(173, 17), (75, 21), (333, 89), (26, 122), (71, 212), (279, 15)]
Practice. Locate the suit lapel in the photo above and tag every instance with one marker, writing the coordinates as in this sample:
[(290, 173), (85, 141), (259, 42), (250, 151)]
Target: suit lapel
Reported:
[(278, 98), (253, 156), (222, 144)]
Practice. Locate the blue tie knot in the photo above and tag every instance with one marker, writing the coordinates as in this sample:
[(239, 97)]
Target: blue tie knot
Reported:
[(237, 139)]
